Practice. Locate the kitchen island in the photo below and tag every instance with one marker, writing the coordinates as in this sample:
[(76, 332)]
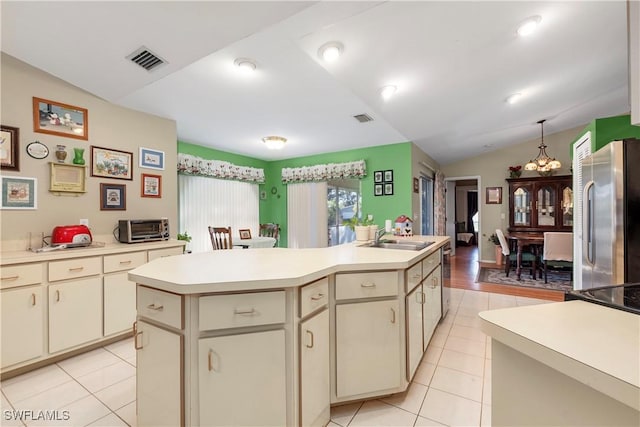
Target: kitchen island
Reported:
[(567, 363), (274, 336)]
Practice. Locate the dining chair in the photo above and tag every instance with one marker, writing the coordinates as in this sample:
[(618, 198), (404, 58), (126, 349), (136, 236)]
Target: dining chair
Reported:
[(269, 230), (512, 258), (220, 237), (557, 252)]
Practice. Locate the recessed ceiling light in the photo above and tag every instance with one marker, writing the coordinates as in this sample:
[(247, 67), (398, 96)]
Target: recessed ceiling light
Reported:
[(274, 142), (330, 51), (388, 91), (512, 99), (528, 26), (245, 65)]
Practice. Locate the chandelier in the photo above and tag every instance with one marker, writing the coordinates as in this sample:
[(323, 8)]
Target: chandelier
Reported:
[(542, 163)]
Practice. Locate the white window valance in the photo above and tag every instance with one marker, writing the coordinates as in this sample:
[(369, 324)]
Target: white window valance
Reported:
[(193, 165), (357, 169)]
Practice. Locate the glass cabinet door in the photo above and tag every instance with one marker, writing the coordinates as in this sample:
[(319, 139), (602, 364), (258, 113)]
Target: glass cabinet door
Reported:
[(545, 206), (521, 207), (567, 206)]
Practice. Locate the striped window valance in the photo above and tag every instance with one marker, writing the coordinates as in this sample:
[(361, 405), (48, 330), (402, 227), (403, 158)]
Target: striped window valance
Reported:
[(357, 169), (193, 165)]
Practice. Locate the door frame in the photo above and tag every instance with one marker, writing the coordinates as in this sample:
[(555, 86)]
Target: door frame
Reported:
[(450, 219)]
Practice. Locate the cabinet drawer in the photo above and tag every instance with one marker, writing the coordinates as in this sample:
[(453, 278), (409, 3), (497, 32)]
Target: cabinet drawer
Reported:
[(161, 253), (73, 268), (123, 262), (414, 276), (314, 295), (20, 275), (430, 262), (160, 306), (366, 285), (232, 311)]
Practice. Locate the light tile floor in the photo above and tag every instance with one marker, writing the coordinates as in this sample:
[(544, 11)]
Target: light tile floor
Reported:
[(452, 386)]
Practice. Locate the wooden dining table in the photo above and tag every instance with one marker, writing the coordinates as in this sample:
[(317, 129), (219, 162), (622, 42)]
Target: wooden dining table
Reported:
[(521, 240)]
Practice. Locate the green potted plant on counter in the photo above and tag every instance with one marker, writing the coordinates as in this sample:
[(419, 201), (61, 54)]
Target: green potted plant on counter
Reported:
[(354, 223), (498, 248), (185, 236)]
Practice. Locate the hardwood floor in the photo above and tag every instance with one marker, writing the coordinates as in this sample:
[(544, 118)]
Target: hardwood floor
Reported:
[(464, 270)]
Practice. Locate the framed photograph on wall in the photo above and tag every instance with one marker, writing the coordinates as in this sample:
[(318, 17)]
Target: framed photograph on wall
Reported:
[(416, 185), (494, 196), (378, 190), (60, 119), (109, 163), (151, 186), (388, 189), (9, 148), (245, 234), (19, 192), (113, 197), (151, 159), (388, 175), (377, 176)]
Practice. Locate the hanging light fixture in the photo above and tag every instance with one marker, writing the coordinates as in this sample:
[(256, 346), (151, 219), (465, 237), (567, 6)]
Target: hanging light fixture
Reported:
[(542, 163)]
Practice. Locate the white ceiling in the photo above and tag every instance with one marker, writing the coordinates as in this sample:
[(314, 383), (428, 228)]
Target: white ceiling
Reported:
[(454, 64)]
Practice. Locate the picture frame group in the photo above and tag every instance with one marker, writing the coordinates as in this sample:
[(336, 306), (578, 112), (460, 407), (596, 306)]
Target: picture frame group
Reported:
[(383, 182)]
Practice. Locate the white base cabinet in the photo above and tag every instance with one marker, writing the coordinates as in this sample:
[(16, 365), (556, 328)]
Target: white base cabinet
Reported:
[(314, 370), (119, 303), (414, 302), (21, 314), (432, 307)]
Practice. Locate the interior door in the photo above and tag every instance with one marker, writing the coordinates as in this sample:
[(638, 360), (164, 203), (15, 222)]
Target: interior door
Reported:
[(450, 213)]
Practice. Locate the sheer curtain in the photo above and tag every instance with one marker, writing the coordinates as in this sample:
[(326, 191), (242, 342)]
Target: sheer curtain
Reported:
[(217, 202), (307, 215)]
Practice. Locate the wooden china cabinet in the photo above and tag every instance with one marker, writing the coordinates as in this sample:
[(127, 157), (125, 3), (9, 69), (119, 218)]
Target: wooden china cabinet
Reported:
[(539, 204)]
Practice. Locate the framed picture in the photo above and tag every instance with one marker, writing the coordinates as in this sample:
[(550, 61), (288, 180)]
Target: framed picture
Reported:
[(377, 176), (152, 159), (9, 148), (67, 178), (109, 163), (245, 234), (151, 186), (494, 195), (388, 189), (19, 193), (113, 197), (416, 185), (37, 150), (378, 189), (60, 119), (388, 175)]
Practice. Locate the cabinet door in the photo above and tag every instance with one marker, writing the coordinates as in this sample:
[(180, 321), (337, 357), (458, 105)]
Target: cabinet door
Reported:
[(159, 390), (242, 380), (520, 200), (433, 305), (21, 315), (75, 313), (546, 202), (414, 302), (368, 353), (314, 370), (119, 303)]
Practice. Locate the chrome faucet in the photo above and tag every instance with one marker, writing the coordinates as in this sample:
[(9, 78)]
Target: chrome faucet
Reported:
[(378, 236)]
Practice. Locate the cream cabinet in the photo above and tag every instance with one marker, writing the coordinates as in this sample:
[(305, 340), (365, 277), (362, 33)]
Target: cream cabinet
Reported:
[(314, 370), (21, 314), (414, 302), (75, 313), (432, 304), (119, 293), (161, 253), (159, 376)]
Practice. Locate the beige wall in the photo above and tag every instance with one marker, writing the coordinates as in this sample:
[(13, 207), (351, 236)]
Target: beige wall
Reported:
[(493, 168), (110, 126)]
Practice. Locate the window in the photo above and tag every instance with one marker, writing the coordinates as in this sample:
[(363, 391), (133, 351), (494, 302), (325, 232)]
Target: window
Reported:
[(343, 202)]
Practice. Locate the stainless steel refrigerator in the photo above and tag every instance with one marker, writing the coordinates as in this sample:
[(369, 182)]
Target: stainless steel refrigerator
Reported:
[(611, 215)]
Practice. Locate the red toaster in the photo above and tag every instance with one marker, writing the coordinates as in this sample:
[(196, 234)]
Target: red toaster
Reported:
[(71, 235)]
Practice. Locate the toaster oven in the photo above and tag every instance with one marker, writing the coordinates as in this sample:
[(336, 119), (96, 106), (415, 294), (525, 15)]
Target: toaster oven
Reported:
[(143, 230)]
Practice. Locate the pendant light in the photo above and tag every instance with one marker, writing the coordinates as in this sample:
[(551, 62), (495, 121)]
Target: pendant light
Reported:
[(542, 163)]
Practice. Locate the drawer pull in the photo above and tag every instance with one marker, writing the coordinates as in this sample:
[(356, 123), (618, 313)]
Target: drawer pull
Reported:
[(33, 299), (210, 361), (135, 341), (245, 312), (317, 297), (74, 269), (368, 285), (125, 262), (310, 335), (11, 278), (155, 307), (134, 327), (57, 296), (420, 297), (393, 316)]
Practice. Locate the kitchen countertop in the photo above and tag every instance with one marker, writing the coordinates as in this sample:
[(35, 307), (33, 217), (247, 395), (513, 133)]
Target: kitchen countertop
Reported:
[(595, 345), (254, 269)]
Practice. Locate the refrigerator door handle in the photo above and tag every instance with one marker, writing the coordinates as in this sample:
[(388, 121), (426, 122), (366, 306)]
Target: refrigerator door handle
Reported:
[(587, 222)]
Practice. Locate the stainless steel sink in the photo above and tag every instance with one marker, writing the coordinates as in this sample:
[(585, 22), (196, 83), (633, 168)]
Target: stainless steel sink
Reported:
[(408, 245)]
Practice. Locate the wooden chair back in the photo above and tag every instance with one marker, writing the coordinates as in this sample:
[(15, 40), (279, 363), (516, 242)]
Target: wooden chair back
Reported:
[(220, 237), (269, 230)]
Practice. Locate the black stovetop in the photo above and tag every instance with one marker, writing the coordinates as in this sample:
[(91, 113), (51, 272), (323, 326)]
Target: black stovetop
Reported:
[(623, 297)]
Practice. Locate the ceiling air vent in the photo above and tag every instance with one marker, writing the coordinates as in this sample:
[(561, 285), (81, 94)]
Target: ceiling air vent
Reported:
[(363, 118), (146, 59)]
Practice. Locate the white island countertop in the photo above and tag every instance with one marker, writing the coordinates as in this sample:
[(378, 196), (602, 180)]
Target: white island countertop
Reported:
[(255, 269), (595, 345)]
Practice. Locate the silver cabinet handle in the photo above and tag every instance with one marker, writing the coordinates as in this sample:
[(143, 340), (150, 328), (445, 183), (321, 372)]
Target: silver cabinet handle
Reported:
[(125, 262), (155, 307), (33, 299), (393, 316), (317, 297), (310, 335), (74, 269), (368, 285), (245, 312), (135, 341)]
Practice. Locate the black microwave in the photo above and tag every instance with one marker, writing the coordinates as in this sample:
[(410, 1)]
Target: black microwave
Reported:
[(143, 230)]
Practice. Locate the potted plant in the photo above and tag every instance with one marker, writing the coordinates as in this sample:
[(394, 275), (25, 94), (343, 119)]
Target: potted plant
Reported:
[(373, 228), (498, 248), (515, 171), (185, 236), (354, 223)]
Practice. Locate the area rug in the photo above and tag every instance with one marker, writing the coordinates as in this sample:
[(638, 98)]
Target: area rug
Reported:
[(557, 281)]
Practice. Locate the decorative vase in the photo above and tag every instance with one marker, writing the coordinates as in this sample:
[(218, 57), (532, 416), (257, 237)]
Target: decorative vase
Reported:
[(373, 229), (362, 232), (61, 154), (78, 156)]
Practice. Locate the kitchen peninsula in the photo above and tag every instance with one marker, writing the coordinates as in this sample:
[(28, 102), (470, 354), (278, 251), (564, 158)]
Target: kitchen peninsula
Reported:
[(274, 336)]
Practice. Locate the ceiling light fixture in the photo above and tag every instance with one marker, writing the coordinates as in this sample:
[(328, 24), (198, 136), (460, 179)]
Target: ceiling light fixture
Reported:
[(330, 51), (274, 142), (512, 99), (245, 65), (543, 163), (528, 26), (388, 91)]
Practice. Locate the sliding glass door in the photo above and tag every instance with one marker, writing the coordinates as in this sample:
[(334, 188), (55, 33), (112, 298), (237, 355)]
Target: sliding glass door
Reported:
[(343, 202)]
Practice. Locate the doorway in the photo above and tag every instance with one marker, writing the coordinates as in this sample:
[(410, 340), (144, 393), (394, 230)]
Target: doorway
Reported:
[(463, 211)]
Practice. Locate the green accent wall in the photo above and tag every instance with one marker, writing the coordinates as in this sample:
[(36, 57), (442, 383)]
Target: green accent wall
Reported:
[(396, 157), (608, 129)]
